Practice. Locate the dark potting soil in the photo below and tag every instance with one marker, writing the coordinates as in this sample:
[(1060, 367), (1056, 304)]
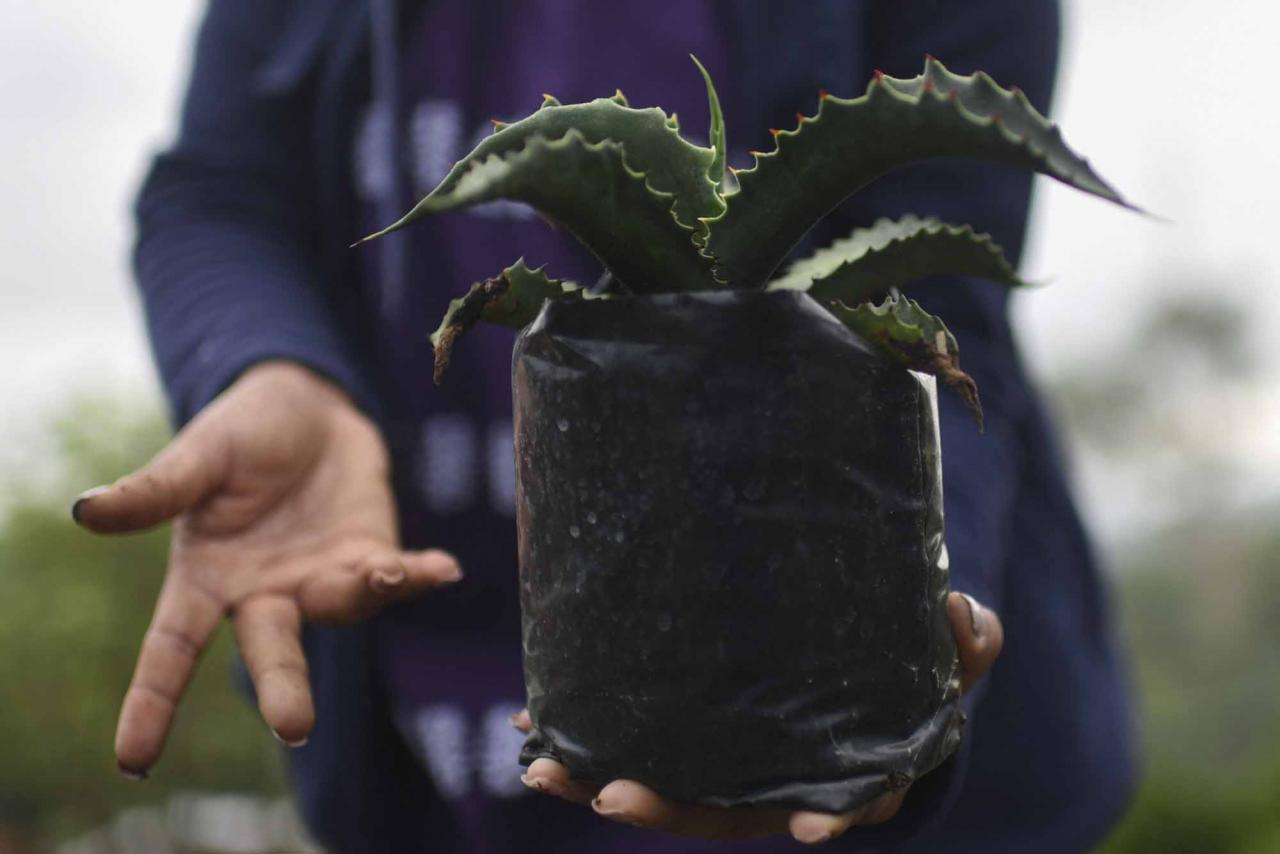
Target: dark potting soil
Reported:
[(732, 571)]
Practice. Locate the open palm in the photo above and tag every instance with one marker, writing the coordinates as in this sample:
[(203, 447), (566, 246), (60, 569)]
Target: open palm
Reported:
[(279, 493)]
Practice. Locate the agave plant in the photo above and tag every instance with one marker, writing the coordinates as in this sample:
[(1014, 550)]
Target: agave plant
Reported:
[(663, 214)]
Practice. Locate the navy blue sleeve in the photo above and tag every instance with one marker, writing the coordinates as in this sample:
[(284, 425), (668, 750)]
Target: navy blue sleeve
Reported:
[(226, 256)]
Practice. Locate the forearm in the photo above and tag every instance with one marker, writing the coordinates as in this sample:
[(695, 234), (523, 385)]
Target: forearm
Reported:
[(221, 296)]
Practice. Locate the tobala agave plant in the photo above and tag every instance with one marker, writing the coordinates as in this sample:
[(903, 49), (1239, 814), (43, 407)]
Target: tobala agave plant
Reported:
[(663, 215)]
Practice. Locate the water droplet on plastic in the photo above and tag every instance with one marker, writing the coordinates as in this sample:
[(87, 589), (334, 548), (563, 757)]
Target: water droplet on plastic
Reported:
[(619, 536), (563, 424), (591, 518), (575, 531)]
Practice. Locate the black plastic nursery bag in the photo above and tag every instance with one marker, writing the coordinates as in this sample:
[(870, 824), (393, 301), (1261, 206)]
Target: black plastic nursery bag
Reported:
[(732, 571)]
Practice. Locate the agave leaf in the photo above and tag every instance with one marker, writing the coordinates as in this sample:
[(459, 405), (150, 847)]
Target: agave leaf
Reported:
[(671, 163), (871, 261), (717, 136), (850, 142), (512, 298), (914, 338), (590, 189)]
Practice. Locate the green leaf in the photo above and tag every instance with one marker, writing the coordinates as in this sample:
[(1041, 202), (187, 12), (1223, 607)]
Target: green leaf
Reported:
[(591, 190), (717, 136), (512, 298), (914, 338), (871, 261), (850, 142), (671, 163)]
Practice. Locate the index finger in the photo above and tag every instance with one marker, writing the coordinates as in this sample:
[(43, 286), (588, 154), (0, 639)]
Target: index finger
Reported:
[(184, 619)]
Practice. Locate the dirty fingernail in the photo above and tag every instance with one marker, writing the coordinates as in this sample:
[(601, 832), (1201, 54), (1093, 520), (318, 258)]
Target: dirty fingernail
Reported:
[(77, 506), (300, 742), (540, 784), (129, 773)]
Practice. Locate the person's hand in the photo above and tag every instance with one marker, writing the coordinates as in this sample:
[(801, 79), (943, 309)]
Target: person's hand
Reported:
[(979, 638), (282, 509)]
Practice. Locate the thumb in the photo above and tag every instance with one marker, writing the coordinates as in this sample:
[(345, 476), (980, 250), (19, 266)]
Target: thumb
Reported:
[(186, 471), (979, 637)]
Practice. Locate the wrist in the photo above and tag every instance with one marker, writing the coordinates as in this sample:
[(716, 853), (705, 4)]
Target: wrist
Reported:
[(290, 377)]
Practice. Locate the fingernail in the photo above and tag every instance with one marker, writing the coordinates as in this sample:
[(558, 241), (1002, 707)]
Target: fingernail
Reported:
[(976, 620), (615, 815), (541, 784), (810, 830), (130, 774), (388, 579), (77, 506), (454, 576), (295, 744), (515, 720), (812, 836)]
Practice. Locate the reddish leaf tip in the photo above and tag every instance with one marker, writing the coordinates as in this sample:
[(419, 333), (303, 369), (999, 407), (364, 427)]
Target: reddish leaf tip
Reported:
[(823, 94)]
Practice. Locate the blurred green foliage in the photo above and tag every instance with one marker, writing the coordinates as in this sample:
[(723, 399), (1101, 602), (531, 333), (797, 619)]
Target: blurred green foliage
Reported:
[(1201, 611), (73, 609)]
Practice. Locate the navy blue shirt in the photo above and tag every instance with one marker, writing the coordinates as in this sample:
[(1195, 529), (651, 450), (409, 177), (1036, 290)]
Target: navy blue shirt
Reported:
[(242, 228)]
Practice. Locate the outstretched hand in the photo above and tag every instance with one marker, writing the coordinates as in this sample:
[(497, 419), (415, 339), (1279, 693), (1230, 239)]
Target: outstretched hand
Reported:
[(979, 638), (280, 497)]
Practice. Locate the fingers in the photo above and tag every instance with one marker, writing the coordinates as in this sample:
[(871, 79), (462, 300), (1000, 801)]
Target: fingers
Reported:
[(521, 721), (268, 631), (186, 471), (552, 778), (356, 591), (812, 828), (184, 619), (979, 637), (633, 803)]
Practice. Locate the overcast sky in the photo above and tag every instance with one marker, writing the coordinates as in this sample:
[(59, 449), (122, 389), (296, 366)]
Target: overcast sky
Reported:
[(1170, 99)]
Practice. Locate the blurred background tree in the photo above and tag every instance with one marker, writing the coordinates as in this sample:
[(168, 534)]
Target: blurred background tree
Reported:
[(1171, 421), (72, 612)]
